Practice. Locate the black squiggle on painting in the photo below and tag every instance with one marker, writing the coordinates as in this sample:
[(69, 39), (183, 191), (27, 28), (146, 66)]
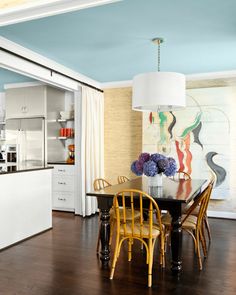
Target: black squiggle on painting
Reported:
[(196, 132), (218, 170), (172, 124)]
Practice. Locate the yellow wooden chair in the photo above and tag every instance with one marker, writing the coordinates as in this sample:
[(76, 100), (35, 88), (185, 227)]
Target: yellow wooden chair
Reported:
[(99, 184), (177, 176), (206, 222), (195, 211), (122, 179), (194, 224), (181, 175), (186, 176), (146, 232)]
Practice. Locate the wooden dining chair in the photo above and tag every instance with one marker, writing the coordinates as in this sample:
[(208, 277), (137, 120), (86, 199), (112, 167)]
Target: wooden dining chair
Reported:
[(181, 175), (195, 211), (206, 222), (122, 179), (99, 184), (177, 176), (146, 232), (193, 224)]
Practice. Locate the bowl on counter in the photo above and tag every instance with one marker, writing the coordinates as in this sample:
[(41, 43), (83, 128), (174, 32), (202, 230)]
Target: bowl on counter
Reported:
[(66, 115)]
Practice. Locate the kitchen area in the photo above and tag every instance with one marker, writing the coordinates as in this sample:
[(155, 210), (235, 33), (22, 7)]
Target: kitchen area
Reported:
[(38, 151)]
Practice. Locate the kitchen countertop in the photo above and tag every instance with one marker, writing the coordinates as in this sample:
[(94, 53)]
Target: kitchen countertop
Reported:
[(60, 163), (17, 169)]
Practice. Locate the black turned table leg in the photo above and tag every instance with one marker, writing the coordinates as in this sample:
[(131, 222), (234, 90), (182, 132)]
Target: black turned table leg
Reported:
[(176, 239), (105, 235), (105, 204)]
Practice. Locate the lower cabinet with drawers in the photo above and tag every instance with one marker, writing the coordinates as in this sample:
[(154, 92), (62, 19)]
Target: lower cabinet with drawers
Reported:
[(63, 188)]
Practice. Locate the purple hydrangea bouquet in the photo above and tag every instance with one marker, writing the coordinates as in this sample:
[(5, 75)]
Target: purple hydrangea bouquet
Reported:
[(154, 164)]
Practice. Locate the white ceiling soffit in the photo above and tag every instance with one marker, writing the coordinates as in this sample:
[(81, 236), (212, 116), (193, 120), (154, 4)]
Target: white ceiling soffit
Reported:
[(23, 67), (25, 10)]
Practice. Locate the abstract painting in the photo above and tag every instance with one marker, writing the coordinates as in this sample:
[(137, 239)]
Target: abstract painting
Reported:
[(199, 136)]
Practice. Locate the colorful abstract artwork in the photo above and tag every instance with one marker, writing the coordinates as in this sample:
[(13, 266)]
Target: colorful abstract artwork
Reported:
[(198, 137)]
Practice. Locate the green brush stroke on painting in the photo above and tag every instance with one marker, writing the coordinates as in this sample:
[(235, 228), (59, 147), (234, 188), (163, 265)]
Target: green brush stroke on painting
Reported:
[(163, 120), (193, 126)]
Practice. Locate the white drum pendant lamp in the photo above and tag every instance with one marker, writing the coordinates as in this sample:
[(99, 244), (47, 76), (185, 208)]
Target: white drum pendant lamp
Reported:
[(158, 91)]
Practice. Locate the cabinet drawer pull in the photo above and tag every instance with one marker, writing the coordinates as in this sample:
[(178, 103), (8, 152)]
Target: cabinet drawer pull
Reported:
[(61, 170), (24, 109), (64, 183), (61, 199)]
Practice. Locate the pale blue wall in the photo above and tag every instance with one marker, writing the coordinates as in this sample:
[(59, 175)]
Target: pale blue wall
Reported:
[(11, 77)]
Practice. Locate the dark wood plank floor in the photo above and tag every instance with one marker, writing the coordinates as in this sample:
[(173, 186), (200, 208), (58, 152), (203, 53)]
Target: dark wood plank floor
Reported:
[(63, 262)]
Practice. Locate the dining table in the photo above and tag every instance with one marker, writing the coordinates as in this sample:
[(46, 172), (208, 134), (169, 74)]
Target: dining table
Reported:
[(173, 196)]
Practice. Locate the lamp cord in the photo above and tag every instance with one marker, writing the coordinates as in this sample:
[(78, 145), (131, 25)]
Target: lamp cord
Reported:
[(159, 56)]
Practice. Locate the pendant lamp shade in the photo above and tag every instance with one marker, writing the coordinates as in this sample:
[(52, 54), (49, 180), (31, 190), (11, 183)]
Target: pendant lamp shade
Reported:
[(158, 91)]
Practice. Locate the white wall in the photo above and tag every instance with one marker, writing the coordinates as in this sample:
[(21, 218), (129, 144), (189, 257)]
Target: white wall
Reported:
[(2, 105)]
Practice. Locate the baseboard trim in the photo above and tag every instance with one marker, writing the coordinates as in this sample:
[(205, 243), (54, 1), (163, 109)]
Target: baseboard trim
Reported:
[(23, 240), (221, 214)]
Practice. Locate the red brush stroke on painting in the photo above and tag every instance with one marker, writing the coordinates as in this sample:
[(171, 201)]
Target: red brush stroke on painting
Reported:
[(180, 188), (188, 187), (180, 156), (188, 154), (184, 188), (150, 118)]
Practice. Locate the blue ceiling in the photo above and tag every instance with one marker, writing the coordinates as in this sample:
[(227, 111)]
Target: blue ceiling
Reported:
[(112, 42)]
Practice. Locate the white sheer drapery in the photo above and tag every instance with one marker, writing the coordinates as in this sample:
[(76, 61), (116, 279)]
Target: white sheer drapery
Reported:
[(92, 146)]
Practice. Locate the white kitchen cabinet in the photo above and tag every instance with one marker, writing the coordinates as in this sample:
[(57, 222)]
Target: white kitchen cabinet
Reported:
[(63, 170), (39, 100), (63, 201), (63, 183), (63, 188), (26, 102)]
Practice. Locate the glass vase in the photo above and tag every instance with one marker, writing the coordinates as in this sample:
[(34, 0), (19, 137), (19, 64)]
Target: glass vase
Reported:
[(155, 180)]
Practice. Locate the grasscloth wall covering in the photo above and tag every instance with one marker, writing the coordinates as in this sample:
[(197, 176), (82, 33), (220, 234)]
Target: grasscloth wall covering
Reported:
[(122, 133)]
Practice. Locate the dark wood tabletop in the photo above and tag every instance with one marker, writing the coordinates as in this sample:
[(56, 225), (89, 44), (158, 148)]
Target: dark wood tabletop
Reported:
[(172, 190)]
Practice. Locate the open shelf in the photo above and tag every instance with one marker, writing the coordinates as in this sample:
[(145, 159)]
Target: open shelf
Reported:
[(65, 137), (59, 137), (59, 120), (65, 120)]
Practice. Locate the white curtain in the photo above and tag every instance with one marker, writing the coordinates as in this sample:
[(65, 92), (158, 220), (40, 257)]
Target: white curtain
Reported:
[(92, 146)]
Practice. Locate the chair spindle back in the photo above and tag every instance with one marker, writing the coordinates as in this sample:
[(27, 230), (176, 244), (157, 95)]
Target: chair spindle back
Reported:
[(181, 175), (100, 183), (202, 200), (122, 179), (133, 200)]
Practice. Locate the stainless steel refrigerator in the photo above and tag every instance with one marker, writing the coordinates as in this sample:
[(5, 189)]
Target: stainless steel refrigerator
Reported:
[(28, 134)]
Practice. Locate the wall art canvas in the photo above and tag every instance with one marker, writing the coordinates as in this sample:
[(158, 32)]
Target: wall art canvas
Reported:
[(200, 137)]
